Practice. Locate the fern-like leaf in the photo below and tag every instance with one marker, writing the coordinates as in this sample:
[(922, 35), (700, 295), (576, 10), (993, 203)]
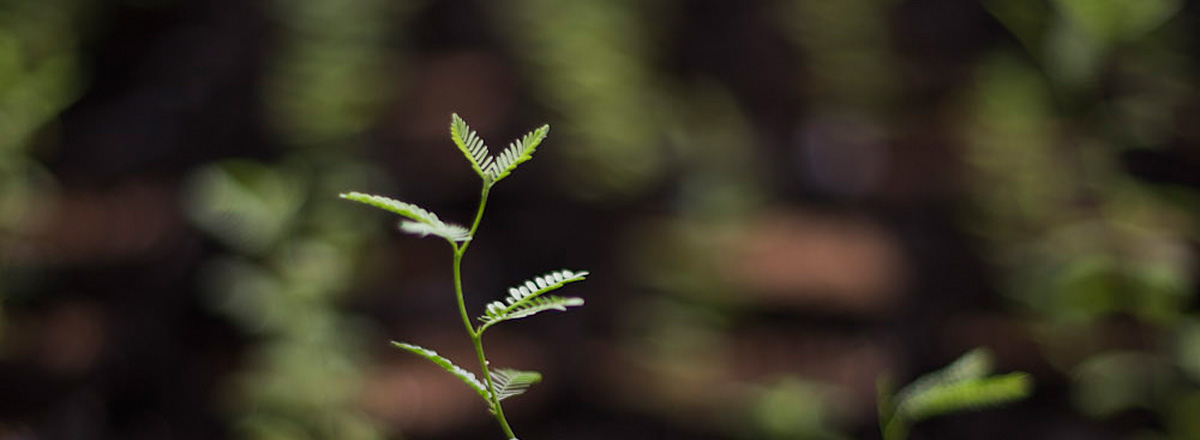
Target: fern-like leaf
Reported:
[(963, 385), (466, 376), (966, 395), (508, 382), (471, 145), (526, 299), (448, 231), (534, 306), (408, 210), (517, 152), (975, 364), (423, 222)]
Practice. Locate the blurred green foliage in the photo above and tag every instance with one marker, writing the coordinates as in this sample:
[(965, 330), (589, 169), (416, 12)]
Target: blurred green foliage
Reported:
[(966, 384), (290, 260), (328, 77), (593, 63), (39, 77), (1083, 244), (845, 47), (793, 409), (293, 247)]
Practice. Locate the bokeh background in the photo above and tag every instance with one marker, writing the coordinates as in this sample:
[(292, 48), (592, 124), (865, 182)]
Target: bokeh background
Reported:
[(779, 201)]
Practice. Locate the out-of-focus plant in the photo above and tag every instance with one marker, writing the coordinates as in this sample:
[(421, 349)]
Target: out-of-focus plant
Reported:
[(1086, 247), (593, 62), (842, 44), (966, 384), (526, 299), (38, 79), (851, 113), (290, 252), (289, 260), (793, 408), (332, 71)]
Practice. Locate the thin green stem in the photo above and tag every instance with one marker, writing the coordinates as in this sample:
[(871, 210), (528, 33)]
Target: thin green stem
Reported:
[(497, 410), (483, 197), (476, 337), (458, 290)]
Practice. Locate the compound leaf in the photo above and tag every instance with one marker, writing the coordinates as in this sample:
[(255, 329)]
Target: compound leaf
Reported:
[(471, 145), (517, 152), (526, 299), (423, 222), (963, 385), (966, 395), (466, 376), (408, 210), (448, 231), (508, 382), (529, 307), (974, 364)]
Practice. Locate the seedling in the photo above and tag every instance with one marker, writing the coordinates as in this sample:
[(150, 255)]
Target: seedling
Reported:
[(523, 300)]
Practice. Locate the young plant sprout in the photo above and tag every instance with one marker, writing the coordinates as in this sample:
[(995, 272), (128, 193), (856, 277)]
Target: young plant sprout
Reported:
[(525, 299)]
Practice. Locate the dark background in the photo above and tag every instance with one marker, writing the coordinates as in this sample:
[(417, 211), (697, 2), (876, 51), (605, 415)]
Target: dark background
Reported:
[(779, 201)]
